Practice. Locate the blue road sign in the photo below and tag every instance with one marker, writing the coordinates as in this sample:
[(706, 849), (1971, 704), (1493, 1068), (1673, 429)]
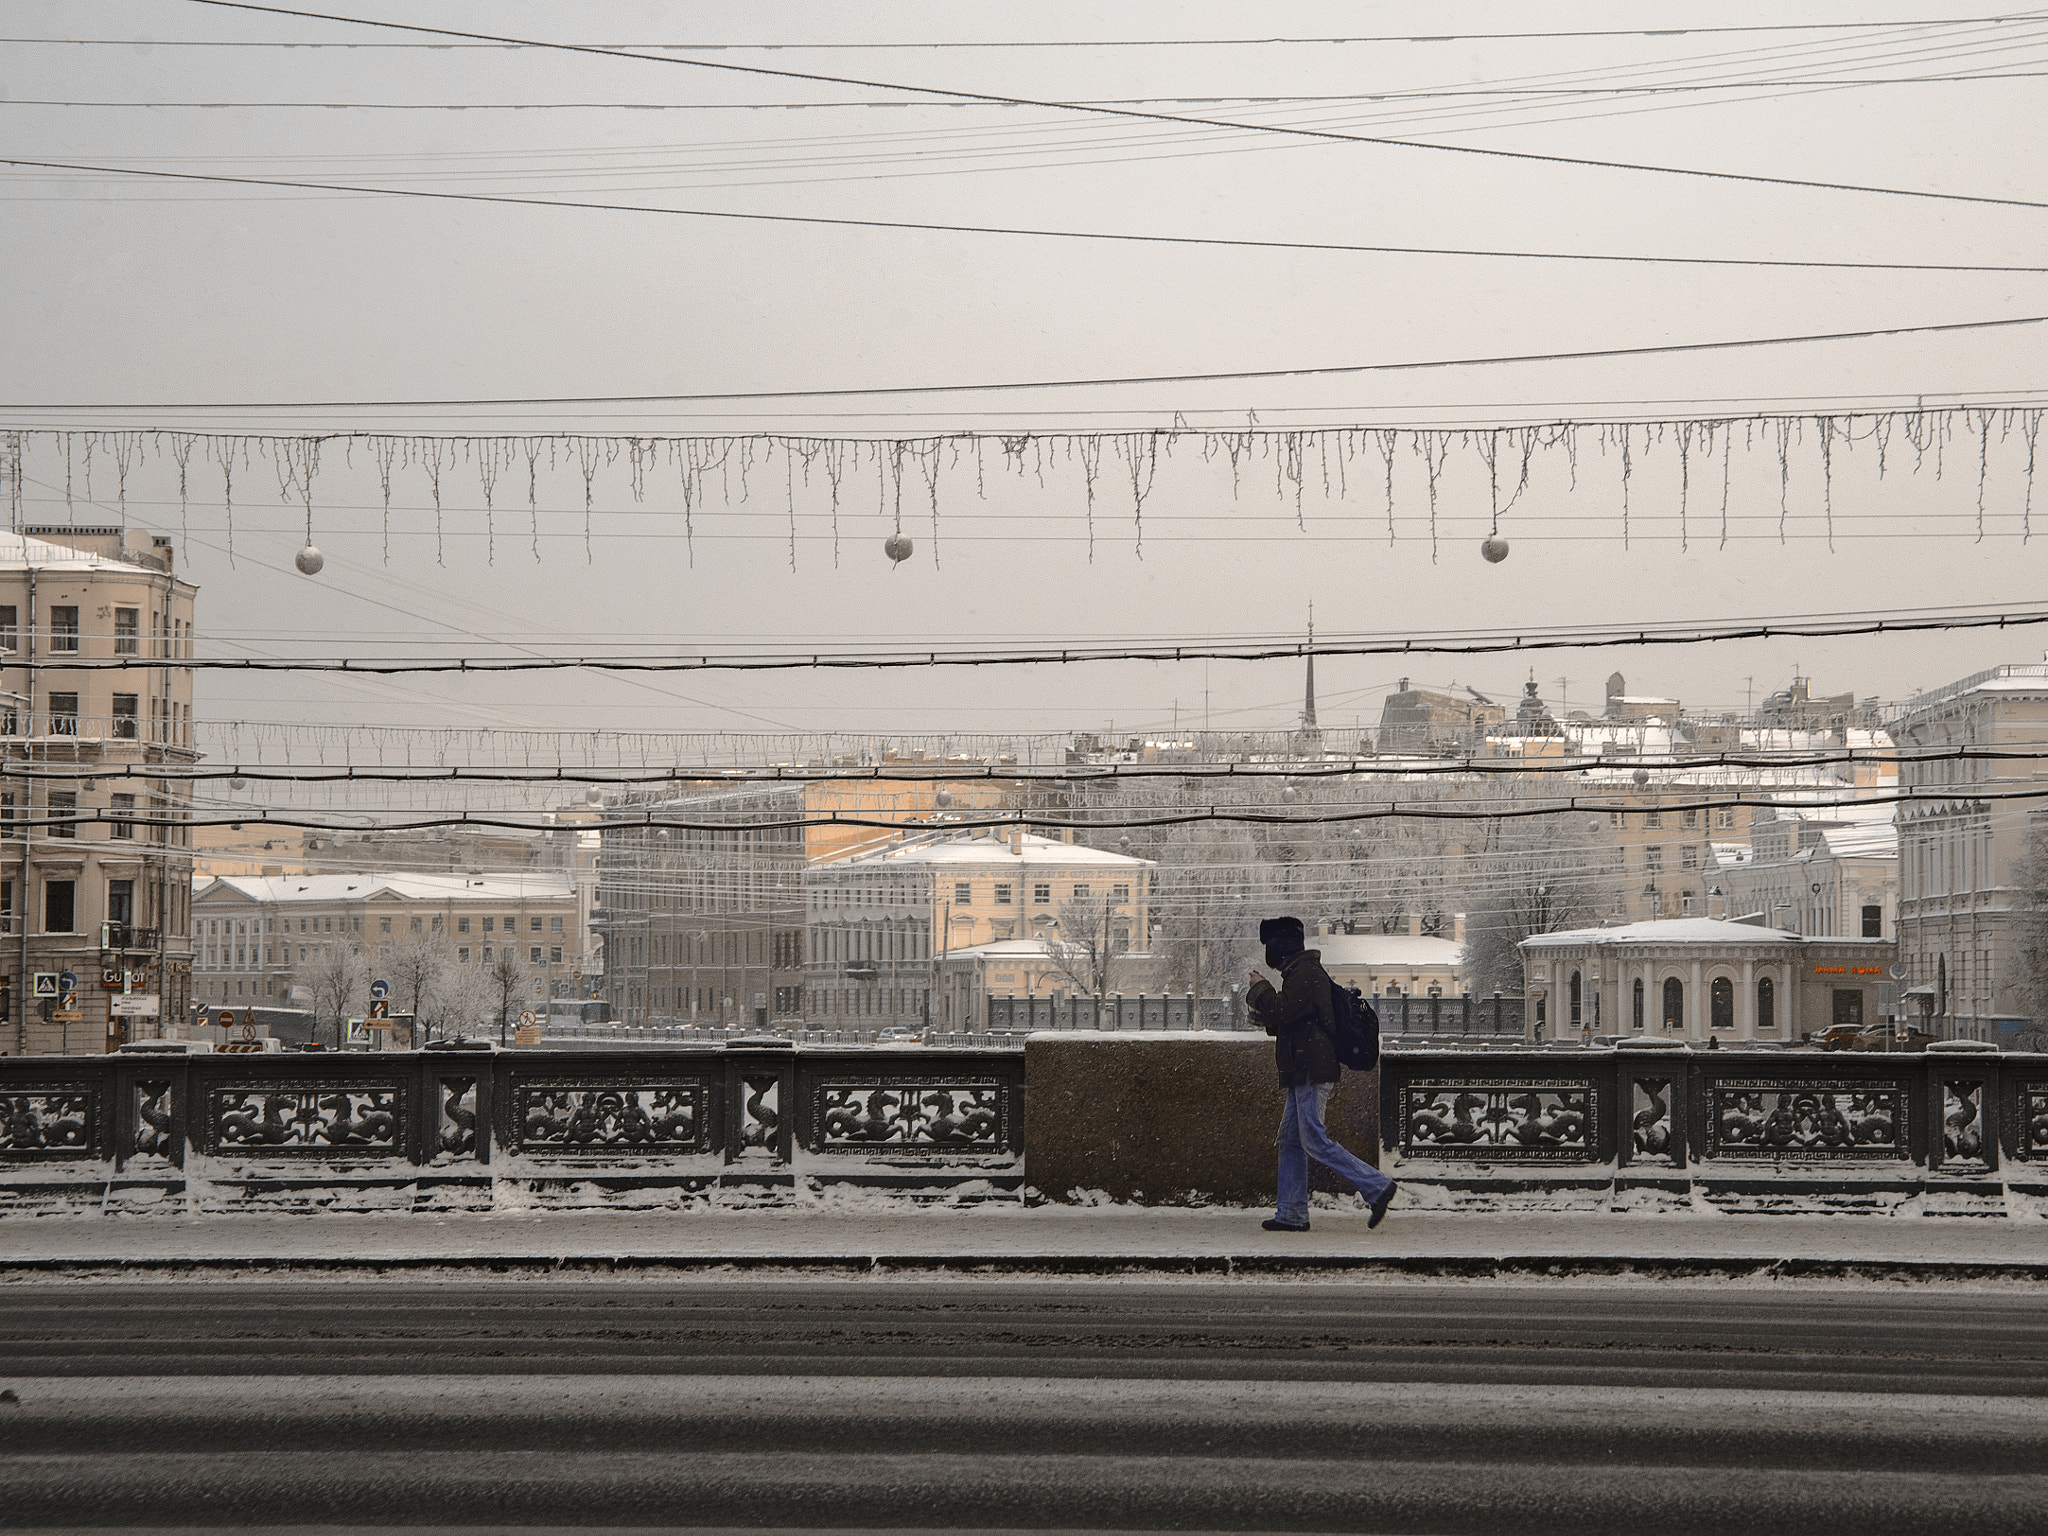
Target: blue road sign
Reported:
[(380, 989)]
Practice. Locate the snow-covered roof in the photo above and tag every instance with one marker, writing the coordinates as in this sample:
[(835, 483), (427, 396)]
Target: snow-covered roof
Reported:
[(1016, 950), (1389, 951), (534, 885), (983, 850), (1667, 930), (18, 552)]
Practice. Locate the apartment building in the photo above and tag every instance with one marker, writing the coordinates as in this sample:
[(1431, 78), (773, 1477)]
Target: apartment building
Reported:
[(1966, 922), (95, 865), (704, 922), (879, 926), (257, 938)]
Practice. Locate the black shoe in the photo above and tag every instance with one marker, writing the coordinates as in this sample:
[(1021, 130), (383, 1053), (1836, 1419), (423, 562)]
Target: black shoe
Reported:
[(1283, 1226), (1379, 1206)]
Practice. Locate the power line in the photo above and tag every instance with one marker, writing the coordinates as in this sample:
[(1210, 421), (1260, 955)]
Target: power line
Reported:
[(1174, 42), (809, 106), (1124, 112), (1210, 241), (1536, 638), (1233, 375)]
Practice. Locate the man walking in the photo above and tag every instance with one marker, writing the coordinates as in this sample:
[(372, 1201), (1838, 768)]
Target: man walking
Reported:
[(1303, 1027)]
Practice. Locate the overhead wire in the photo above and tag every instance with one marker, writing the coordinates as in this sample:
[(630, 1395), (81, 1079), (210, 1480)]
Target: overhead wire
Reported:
[(1125, 112), (925, 226), (1663, 349)]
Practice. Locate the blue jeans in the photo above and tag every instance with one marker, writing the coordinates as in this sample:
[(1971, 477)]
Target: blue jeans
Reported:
[(1302, 1136)]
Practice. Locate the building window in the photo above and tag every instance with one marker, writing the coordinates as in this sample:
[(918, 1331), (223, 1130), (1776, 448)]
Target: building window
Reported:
[(462, 955), (490, 925), (1685, 904), (1766, 1003), (1692, 817), (1575, 999), (533, 955), (416, 924), (122, 826), (1674, 1003), (59, 905), (555, 954), (1636, 1011), (121, 902), (1721, 1004), (511, 925), (64, 628), (126, 628), (1119, 893), (1002, 895), (554, 925), (1617, 820), (63, 714), (1653, 859), (125, 712), (963, 894), (1081, 893), (1724, 818), (10, 636), (487, 954), (383, 925), (63, 804), (1653, 818), (536, 925), (8, 828), (462, 925), (1688, 857), (1873, 922)]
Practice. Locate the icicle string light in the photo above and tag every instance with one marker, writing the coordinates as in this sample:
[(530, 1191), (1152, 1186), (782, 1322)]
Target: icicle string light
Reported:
[(707, 466)]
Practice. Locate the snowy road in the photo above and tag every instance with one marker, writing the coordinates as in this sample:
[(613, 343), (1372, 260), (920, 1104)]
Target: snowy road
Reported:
[(1047, 1403)]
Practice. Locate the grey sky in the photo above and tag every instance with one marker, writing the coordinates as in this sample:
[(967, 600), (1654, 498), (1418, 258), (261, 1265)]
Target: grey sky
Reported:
[(137, 292)]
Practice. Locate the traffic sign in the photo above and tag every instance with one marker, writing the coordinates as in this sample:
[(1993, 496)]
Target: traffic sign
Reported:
[(46, 984), (528, 1018), (358, 1032), (380, 1008), (227, 1019), (380, 989)]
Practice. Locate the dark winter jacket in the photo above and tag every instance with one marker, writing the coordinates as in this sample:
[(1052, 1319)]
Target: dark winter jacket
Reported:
[(1298, 1017)]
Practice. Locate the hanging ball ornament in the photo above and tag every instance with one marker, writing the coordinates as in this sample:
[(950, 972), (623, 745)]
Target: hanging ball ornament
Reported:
[(1495, 549), (945, 796), (309, 560), (897, 548), (1290, 794), (237, 782)]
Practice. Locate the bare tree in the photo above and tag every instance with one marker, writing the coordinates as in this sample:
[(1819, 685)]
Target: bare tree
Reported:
[(337, 975), (411, 969), (460, 1000), (1092, 934), (506, 980), (1535, 874)]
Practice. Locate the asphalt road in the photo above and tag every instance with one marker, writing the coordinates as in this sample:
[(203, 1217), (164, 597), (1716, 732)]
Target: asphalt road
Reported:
[(454, 1402)]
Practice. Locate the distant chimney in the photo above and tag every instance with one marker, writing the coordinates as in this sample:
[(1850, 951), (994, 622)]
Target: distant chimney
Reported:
[(1458, 928), (1414, 925)]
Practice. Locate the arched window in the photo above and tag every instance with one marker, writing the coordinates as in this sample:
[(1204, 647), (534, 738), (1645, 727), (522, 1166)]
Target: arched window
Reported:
[(1674, 1003), (1637, 1020), (1721, 1004), (1575, 999), (1766, 1003)]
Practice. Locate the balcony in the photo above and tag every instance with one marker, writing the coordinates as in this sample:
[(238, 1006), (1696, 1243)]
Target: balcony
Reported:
[(122, 937)]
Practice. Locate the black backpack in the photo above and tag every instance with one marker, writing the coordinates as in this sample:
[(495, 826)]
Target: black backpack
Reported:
[(1357, 1029)]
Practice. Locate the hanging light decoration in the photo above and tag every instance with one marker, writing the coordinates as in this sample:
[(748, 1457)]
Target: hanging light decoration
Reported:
[(1290, 795), (943, 798), (309, 560), (238, 782), (1494, 548), (897, 547)]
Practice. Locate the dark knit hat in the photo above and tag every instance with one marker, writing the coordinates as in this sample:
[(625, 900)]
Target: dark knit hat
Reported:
[(1283, 935)]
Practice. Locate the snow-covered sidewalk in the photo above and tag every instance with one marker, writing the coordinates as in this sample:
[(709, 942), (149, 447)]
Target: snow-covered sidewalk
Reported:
[(872, 1233)]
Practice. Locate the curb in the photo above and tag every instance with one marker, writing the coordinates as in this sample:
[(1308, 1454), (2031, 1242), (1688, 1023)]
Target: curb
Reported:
[(1540, 1266)]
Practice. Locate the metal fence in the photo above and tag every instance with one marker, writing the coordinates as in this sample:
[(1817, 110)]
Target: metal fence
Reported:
[(677, 1117), (1497, 1017), (1825, 1114), (1113, 1012)]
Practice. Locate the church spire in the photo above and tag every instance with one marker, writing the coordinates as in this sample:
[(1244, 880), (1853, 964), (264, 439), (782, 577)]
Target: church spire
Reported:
[(1308, 703)]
